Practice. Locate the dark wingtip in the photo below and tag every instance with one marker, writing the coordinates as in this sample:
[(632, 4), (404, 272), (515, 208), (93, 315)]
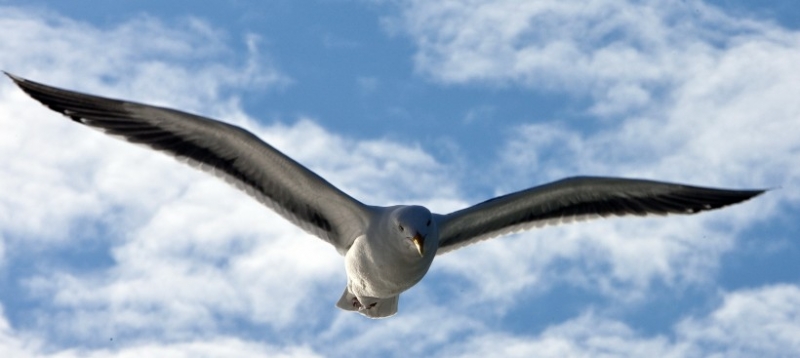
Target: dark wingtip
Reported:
[(14, 78), (756, 192), (733, 197), (46, 95), (749, 194), (27, 86), (23, 83), (738, 196)]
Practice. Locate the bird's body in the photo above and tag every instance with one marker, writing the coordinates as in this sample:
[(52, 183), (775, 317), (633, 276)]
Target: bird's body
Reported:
[(380, 267), (387, 250), (377, 248)]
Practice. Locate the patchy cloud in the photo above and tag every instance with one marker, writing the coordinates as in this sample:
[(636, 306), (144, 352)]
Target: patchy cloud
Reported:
[(751, 323), (183, 254), (684, 93), (111, 241)]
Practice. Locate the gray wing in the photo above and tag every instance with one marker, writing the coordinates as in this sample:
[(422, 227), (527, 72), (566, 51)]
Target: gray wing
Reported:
[(574, 199), (225, 150)]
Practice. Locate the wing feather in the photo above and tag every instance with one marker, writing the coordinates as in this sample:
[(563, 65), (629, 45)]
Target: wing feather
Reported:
[(230, 152), (576, 199)]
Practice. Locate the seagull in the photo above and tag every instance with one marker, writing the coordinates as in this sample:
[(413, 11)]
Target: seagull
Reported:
[(386, 249)]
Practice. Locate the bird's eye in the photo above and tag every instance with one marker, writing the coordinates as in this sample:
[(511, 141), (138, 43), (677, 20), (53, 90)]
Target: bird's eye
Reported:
[(400, 227), (429, 222)]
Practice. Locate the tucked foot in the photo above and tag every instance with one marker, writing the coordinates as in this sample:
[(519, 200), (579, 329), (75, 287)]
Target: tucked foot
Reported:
[(371, 307)]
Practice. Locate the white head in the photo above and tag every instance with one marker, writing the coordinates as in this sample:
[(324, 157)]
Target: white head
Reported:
[(416, 226)]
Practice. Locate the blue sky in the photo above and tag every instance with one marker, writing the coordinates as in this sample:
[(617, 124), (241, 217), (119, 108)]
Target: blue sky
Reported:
[(108, 249)]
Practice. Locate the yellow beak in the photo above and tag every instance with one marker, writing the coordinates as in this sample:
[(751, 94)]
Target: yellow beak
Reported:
[(419, 242)]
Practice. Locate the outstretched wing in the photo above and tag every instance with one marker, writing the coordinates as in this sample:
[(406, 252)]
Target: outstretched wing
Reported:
[(230, 152), (577, 198)]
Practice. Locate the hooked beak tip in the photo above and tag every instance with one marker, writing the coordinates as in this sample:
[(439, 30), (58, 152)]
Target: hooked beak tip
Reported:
[(419, 243)]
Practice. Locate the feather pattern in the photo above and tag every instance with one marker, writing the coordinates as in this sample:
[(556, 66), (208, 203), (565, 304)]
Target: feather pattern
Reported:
[(228, 151), (577, 198)]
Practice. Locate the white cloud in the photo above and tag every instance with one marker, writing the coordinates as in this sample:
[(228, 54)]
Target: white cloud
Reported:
[(191, 255), (10, 344), (615, 51), (14, 344), (65, 53), (685, 93), (693, 93), (757, 322), (762, 322), (217, 347), (185, 248), (585, 336), (687, 87)]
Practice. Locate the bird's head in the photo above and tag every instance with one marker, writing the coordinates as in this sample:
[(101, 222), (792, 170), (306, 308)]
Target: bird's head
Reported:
[(415, 225)]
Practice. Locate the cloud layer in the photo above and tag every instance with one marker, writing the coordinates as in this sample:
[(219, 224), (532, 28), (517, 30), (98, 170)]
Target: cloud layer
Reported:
[(683, 91), (117, 251)]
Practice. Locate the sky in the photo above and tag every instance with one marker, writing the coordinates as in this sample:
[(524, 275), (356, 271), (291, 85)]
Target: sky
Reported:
[(111, 250)]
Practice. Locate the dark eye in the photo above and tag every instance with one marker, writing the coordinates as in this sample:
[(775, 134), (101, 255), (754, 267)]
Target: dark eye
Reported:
[(429, 222), (400, 227)]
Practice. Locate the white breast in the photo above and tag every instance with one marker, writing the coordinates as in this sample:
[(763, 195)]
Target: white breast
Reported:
[(375, 268)]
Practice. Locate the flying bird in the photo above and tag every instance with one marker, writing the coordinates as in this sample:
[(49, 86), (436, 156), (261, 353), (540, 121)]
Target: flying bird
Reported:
[(386, 249)]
